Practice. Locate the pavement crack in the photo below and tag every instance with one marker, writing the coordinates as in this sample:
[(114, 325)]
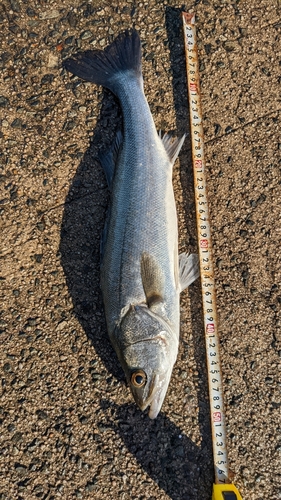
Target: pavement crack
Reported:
[(213, 139)]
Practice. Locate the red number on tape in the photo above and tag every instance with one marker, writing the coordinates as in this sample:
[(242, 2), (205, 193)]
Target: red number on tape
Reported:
[(203, 243), (210, 328), (217, 416)]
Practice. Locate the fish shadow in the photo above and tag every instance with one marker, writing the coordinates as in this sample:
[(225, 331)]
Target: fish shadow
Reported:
[(81, 231), (169, 457)]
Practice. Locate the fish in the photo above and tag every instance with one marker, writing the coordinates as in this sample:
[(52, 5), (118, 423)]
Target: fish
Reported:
[(142, 274)]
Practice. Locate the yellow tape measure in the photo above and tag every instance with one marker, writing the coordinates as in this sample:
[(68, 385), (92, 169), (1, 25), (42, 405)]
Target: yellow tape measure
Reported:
[(223, 490)]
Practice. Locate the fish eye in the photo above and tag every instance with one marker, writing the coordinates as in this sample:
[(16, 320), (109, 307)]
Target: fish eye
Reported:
[(138, 378)]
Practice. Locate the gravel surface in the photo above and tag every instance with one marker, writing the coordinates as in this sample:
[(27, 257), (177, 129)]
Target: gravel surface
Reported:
[(69, 427)]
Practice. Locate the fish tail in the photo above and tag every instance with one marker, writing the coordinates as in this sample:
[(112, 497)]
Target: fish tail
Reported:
[(104, 67)]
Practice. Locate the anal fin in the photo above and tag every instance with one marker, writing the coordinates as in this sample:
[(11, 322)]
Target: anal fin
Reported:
[(172, 145), (108, 158)]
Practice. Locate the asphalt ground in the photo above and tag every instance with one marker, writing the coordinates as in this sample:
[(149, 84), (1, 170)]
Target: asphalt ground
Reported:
[(69, 427)]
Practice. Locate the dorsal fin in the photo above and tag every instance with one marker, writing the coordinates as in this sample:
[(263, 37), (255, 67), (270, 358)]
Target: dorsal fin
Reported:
[(172, 145)]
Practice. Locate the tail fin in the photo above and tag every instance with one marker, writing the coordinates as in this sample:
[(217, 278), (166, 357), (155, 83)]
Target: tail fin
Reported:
[(103, 66)]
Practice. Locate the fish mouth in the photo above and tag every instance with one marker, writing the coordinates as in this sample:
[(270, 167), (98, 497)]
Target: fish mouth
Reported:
[(156, 397), (155, 405)]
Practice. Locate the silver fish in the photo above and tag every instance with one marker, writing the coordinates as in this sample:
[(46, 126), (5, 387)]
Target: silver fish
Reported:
[(141, 273)]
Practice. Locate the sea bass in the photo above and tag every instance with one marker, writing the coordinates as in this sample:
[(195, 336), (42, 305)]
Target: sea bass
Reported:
[(142, 274)]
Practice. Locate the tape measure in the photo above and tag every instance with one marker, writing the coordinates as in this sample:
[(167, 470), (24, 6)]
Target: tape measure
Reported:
[(222, 489)]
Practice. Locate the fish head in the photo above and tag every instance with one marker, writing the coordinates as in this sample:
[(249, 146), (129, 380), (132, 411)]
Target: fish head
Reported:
[(147, 355)]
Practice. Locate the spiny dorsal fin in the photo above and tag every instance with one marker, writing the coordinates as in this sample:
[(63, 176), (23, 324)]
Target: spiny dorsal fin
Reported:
[(172, 145), (188, 269), (152, 280)]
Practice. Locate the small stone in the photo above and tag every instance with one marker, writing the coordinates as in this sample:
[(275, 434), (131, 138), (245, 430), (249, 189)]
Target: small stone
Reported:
[(30, 322), (90, 486), (15, 5), (17, 123), (21, 468), (47, 79), (217, 128), (70, 125), (30, 12), (243, 31), (53, 61), (228, 129), (49, 14), (266, 71), (86, 34), (42, 415), (219, 263), (250, 222), (7, 367), (17, 437), (208, 48), (245, 472), (72, 19), (62, 325), (5, 57), (69, 40), (96, 376), (243, 233), (227, 287), (231, 46), (261, 199), (41, 226)]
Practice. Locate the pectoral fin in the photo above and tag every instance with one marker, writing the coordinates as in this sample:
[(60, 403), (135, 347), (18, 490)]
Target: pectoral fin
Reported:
[(152, 280), (188, 269)]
